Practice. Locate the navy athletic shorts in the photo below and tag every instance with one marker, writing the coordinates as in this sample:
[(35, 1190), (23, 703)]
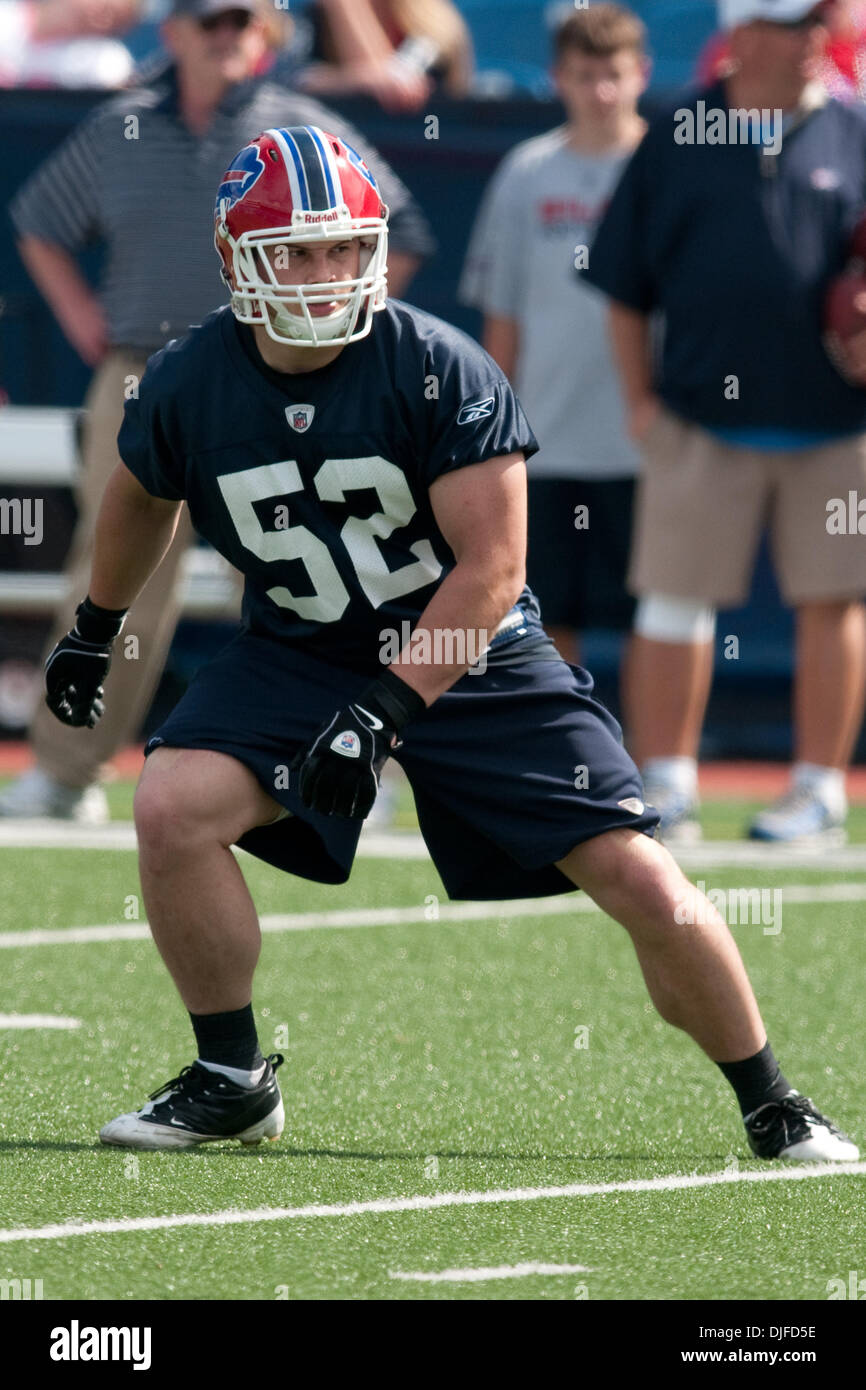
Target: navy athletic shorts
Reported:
[(510, 769)]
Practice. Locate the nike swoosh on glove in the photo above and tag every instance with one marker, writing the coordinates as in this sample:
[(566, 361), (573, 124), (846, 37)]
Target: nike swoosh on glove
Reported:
[(339, 770), (75, 671)]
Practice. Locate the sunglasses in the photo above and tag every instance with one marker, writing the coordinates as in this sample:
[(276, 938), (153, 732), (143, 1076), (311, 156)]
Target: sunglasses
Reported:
[(238, 19)]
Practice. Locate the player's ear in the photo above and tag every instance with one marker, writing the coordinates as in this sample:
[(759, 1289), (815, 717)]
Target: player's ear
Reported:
[(227, 272), (220, 241)]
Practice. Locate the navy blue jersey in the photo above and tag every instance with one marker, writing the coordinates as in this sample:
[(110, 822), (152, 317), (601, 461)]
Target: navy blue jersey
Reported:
[(315, 485)]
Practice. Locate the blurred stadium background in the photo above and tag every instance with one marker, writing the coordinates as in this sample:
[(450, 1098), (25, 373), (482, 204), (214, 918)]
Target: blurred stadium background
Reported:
[(42, 380)]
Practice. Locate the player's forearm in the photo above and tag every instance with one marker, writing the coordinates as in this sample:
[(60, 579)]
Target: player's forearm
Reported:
[(459, 622), (133, 533), (629, 334)]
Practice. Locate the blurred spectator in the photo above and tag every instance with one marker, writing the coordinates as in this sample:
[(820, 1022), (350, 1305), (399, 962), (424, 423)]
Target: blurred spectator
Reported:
[(278, 31), (841, 68), (65, 43), (136, 174), (397, 51), (746, 422), (548, 331)]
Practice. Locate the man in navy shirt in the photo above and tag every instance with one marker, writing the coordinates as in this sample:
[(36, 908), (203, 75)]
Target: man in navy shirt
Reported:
[(731, 218), (364, 465)]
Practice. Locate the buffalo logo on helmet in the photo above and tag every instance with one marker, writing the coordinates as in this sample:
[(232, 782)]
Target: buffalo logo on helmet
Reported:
[(247, 168), (357, 163)]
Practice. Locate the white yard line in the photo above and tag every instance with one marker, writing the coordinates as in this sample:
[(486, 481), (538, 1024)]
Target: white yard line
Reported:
[(564, 906), (308, 921), (40, 833), (428, 1202), (408, 844), (38, 1021), (479, 1276)]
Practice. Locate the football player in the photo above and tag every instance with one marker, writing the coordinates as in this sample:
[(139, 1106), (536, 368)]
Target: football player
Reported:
[(363, 463)]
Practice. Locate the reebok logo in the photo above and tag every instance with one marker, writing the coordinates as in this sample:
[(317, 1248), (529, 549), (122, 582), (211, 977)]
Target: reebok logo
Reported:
[(478, 410), (77, 1343)]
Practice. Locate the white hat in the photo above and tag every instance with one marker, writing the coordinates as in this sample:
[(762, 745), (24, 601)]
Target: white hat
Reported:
[(733, 12)]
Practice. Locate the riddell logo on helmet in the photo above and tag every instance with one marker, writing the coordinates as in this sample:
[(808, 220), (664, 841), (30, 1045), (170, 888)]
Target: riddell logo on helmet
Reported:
[(320, 216)]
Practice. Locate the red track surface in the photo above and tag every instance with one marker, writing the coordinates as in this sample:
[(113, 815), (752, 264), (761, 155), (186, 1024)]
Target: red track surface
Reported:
[(719, 781)]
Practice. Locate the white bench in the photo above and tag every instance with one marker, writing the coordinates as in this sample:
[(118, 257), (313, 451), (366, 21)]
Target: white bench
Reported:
[(38, 450)]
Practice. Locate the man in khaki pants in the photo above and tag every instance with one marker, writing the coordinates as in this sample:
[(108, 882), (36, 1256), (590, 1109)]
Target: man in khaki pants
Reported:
[(68, 757), (732, 218), (137, 173)]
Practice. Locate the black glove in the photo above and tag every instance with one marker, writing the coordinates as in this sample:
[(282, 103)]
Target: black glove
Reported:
[(339, 769), (76, 669)]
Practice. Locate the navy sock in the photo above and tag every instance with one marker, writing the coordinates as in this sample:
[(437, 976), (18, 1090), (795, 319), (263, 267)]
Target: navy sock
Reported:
[(756, 1080), (228, 1038)]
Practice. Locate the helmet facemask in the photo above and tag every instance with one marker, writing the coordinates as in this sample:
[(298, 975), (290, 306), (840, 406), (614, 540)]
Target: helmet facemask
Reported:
[(259, 297)]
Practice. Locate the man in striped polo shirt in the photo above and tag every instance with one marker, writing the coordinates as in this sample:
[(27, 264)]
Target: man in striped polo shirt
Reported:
[(136, 173)]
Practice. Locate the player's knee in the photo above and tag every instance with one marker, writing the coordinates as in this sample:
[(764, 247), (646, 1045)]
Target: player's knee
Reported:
[(628, 870), (164, 820), (602, 864)]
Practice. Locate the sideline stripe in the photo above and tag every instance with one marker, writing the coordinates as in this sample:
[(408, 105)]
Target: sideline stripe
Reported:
[(38, 1021), (562, 906), (478, 1276), (425, 1202)]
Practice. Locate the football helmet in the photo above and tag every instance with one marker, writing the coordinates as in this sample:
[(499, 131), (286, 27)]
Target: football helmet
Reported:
[(289, 186)]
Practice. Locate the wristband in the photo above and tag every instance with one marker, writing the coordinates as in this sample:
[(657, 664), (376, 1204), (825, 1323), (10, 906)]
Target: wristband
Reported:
[(98, 625), (393, 698)]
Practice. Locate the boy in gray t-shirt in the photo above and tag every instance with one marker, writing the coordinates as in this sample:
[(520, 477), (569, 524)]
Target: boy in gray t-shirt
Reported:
[(547, 329)]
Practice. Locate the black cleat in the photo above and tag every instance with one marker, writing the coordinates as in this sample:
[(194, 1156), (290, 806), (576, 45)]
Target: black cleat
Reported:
[(792, 1128), (200, 1106)]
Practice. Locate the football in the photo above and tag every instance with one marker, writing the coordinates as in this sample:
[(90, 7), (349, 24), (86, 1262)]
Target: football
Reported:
[(844, 318), (845, 307)]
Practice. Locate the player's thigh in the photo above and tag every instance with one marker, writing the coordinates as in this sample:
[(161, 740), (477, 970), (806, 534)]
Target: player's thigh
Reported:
[(187, 794)]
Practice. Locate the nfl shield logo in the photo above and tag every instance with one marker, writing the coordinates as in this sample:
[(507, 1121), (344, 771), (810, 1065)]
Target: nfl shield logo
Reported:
[(300, 417), (347, 743)]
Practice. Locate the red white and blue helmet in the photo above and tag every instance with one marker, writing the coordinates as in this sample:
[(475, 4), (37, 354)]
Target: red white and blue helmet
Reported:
[(295, 185)]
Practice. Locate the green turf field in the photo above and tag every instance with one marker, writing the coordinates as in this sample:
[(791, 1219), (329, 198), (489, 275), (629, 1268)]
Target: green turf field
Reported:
[(423, 1058)]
